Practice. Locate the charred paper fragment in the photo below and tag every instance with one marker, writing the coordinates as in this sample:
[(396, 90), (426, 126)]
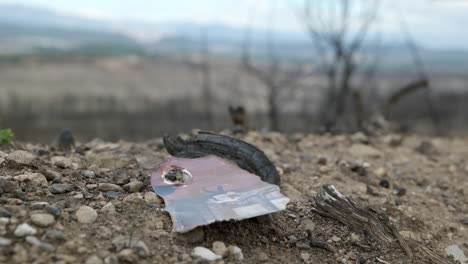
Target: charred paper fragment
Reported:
[(204, 190), (245, 155)]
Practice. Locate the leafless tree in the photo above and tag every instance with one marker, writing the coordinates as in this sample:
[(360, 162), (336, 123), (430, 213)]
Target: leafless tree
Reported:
[(203, 66), (277, 76), (338, 30)]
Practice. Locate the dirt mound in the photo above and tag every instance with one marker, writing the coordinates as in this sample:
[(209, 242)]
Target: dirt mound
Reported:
[(96, 205)]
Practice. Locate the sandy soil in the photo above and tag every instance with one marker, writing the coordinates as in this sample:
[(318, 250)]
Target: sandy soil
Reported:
[(420, 183)]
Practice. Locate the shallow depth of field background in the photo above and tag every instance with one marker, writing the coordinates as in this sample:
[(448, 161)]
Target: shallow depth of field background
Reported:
[(138, 69)]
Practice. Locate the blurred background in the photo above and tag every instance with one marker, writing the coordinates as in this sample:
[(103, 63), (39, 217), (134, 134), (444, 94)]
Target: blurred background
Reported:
[(122, 69)]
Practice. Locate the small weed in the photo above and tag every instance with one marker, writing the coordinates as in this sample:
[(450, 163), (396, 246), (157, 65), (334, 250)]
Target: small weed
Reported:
[(6, 136)]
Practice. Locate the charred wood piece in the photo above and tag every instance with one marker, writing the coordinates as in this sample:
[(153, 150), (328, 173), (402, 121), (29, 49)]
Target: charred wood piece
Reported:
[(331, 203), (239, 118), (245, 155)]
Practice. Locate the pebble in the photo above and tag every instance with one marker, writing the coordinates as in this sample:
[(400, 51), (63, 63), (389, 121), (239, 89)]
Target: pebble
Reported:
[(262, 256), (142, 249), (105, 187), (398, 202), (457, 253), (94, 260), (151, 197), (112, 194), (219, 248), (127, 256), (335, 239), (36, 242), (465, 222), (86, 215), (21, 157), (236, 252), (5, 213), (8, 186), (36, 179), (400, 191), (292, 239), (24, 230), (365, 151), (205, 254), (5, 242), (52, 175), (55, 235), (42, 220), (52, 210), (384, 183), (61, 188), (305, 256), (108, 209), (61, 162), (134, 198), (133, 186), (89, 174)]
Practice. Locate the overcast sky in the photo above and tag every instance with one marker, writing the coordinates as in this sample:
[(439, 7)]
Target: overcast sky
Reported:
[(435, 23)]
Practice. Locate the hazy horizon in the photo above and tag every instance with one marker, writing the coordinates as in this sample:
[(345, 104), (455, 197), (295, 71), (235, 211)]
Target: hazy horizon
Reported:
[(434, 24)]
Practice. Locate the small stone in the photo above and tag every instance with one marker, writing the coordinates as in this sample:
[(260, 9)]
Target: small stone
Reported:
[(52, 210), (127, 256), (384, 183), (36, 179), (51, 175), (305, 256), (151, 197), (8, 186), (194, 236), (21, 157), (408, 234), (400, 191), (55, 235), (134, 198), (380, 172), (236, 252), (465, 222), (33, 240), (142, 249), (108, 209), (5, 242), (398, 202), (86, 215), (292, 239), (457, 253), (112, 259), (133, 186), (112, 194), (24, 230), (219, 248), (335, 239), (105, 187), (5, 213), (60, 188), (42, 220), (262, 256), (61, 162), (94, 260), (88, 174), (322, 161), (355, 237), (364, 151), (205, 254)]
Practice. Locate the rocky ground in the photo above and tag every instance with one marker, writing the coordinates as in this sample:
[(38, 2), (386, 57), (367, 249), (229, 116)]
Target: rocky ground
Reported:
[(95, 204)]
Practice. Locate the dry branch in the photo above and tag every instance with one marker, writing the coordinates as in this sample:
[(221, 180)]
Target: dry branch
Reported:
[(403, 92), (331, 203)]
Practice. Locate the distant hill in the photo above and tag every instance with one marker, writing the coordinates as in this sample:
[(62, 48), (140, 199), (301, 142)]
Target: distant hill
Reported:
[(26, 29)]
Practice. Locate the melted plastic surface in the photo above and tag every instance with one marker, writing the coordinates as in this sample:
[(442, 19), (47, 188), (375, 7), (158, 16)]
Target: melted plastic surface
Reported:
[(218, 191)]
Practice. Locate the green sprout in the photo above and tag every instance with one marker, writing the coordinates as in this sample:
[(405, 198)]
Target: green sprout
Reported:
[(6, 136)]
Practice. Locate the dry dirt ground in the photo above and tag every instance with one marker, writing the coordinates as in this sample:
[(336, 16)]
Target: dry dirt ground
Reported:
[(95, 205)]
